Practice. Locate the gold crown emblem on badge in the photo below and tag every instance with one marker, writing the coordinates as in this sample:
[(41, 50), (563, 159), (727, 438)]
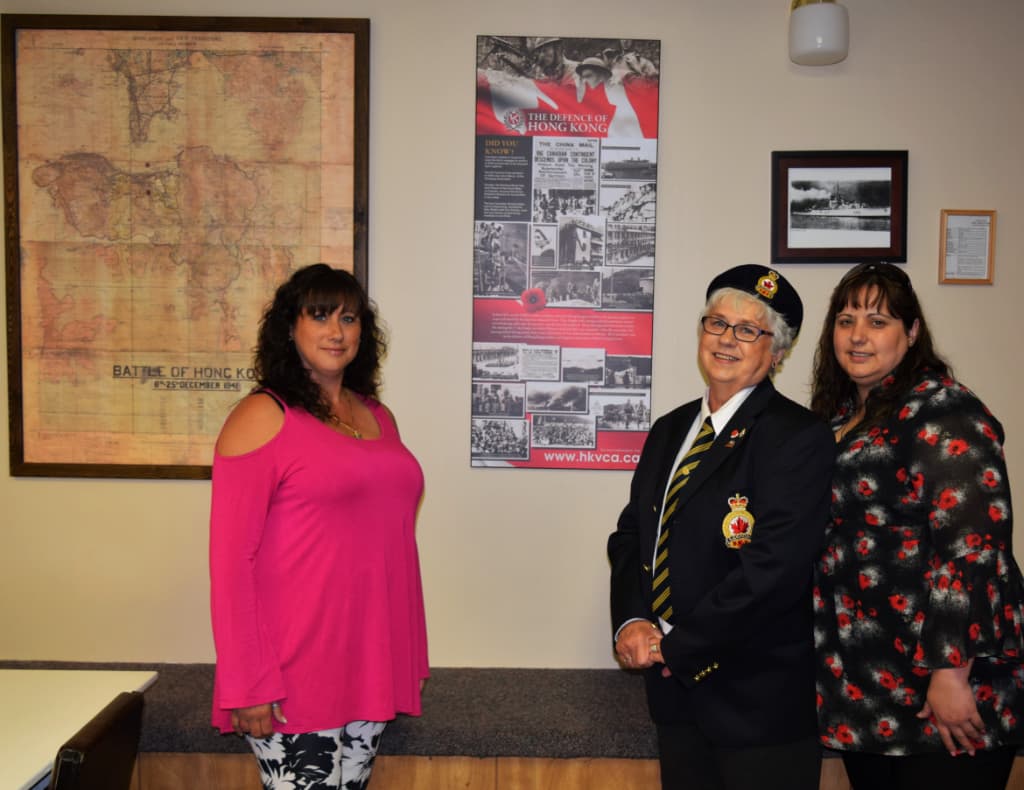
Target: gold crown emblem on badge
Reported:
[(738, 502), (768, 285), (738, 525)]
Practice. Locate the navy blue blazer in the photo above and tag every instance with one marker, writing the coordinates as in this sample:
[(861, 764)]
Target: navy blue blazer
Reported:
[(741, 651)]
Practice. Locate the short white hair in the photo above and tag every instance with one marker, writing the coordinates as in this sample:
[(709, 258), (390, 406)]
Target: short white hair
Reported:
[(782, 334)]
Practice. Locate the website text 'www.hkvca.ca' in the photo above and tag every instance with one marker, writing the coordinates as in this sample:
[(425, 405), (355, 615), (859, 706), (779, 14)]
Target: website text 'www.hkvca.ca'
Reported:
[(589, 457)]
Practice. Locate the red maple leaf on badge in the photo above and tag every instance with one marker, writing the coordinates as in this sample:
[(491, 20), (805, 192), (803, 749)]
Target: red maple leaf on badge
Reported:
[(738, 526)]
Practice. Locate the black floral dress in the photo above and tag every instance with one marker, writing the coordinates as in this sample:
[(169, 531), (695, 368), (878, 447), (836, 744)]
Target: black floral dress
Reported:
[(918, 574)]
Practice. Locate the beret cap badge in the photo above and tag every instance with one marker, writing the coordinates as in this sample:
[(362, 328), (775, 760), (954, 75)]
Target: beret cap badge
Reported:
[(768, 285)]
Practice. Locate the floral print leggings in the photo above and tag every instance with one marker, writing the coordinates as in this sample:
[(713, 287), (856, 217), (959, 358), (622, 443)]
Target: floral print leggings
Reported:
[(341, 758)]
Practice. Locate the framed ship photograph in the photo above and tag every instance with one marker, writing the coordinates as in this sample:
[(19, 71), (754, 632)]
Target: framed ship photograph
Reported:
[(839, 207)]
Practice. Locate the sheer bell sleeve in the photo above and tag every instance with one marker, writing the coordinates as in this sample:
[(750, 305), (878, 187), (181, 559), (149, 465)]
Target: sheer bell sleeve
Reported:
[(248, 672)]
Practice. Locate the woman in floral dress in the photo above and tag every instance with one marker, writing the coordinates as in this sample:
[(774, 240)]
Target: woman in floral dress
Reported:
[(918, 598)]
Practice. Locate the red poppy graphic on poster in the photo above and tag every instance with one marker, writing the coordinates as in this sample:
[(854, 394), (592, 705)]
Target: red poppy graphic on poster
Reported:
[(563, 250), (533, 299)]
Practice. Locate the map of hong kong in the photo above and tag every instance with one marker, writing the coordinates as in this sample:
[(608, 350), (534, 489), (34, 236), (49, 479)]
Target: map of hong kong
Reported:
[(169, 180)]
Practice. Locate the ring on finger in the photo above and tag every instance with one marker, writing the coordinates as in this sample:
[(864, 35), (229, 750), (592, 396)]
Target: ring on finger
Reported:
[(655, 648)]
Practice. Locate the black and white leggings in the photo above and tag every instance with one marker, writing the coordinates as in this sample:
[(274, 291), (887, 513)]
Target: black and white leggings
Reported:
[(340, 758)]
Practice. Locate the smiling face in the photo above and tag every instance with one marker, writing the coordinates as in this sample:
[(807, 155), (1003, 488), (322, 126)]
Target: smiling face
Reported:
[(869, 340), (327, 342), (728, 364)]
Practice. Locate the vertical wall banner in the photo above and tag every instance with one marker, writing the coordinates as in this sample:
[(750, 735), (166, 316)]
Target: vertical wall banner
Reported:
[(563, 251)]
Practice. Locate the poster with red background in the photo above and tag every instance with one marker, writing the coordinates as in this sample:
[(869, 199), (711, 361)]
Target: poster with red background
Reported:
[(563, 251)]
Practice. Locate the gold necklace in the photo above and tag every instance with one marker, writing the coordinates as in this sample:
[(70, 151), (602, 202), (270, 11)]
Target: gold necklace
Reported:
[(336, 420)]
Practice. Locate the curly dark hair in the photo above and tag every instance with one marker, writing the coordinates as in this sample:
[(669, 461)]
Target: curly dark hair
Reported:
[(312, 290), (879, 285)]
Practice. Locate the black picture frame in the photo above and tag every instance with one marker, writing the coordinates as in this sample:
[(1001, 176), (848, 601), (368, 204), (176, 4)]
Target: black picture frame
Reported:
[(839, 207), (184, 36)]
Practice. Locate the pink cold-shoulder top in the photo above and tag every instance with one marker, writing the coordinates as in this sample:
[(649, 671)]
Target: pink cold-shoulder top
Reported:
[(316, 598)]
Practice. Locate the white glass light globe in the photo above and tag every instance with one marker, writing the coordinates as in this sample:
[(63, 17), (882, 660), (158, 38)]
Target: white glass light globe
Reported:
[(819, 34)]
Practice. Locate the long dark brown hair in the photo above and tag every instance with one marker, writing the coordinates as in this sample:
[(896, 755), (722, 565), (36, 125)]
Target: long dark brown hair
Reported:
[(312, 290), (880, 286)]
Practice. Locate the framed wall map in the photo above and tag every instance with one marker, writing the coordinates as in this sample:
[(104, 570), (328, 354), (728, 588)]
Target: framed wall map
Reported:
[(162, 176)]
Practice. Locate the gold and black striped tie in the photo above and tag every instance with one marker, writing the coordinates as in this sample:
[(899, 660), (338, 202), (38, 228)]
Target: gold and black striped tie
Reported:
[(662, 606)]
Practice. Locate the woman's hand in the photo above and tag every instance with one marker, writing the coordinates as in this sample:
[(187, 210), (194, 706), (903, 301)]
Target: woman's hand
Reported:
[(951, 703), (257, 720), (639, 645)]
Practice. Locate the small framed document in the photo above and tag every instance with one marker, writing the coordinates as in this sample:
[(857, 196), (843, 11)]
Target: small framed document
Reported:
[(967, 243)]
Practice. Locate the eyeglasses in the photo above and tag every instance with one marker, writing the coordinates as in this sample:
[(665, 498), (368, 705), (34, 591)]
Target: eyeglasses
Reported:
[(745, 333), (886, 270)]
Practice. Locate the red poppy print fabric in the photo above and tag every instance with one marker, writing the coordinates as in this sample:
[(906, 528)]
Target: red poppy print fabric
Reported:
[(918, 574)]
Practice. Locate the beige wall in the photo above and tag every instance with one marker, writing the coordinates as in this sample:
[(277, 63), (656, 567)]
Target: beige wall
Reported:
[(514, 562)]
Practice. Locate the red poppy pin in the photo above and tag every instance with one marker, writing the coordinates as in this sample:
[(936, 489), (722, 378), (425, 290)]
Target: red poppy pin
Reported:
[(735, 436)]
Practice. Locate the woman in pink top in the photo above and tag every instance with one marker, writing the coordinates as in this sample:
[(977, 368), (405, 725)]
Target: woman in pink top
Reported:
[(316, 599)]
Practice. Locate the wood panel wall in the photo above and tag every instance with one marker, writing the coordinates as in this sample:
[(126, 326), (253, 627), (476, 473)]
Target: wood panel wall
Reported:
[(238, 772), (162, 771)]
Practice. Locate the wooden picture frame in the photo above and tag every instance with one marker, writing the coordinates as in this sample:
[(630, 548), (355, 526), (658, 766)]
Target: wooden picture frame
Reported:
[(839, 207), (162, 176), (967, 246)]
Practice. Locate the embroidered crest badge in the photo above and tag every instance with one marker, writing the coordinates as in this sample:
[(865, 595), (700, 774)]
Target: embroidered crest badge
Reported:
[(768, 285), (738, 525)]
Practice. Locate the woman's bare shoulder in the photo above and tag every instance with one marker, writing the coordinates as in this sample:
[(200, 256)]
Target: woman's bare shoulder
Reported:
[(251, 424), (390, 414)]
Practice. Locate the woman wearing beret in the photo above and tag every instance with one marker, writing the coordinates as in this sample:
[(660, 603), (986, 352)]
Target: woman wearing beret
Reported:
[(713, 555), (918, 598)]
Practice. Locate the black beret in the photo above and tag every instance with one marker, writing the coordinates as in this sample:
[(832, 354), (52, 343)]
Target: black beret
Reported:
[(767, 285)]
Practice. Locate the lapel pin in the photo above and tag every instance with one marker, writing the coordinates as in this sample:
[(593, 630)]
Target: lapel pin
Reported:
[(735, 436)]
